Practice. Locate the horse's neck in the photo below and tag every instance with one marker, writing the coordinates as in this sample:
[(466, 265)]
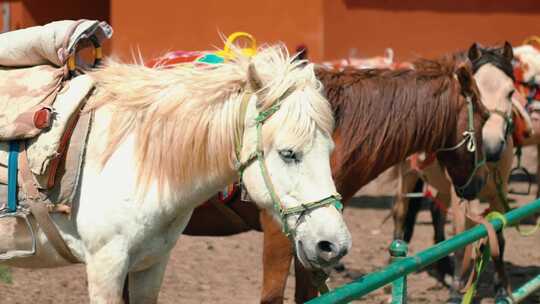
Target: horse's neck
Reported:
[(373, 162), (189, 194)]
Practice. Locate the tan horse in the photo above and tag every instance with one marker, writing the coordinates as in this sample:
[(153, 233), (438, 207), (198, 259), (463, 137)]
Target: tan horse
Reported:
[(495, 78)]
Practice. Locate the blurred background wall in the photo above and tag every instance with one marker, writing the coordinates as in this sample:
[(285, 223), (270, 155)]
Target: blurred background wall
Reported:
[(331, 29)]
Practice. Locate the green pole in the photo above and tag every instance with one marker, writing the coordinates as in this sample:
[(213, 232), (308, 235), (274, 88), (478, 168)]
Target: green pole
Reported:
[(522, 292), (407, 265), (398, 250)]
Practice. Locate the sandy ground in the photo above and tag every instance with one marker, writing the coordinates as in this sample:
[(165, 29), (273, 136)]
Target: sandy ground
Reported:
[(229, 270)]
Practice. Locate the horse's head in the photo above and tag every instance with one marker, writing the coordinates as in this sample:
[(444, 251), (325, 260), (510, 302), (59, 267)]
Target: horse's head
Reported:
[(494, 75), (463, 155), (285, 159)]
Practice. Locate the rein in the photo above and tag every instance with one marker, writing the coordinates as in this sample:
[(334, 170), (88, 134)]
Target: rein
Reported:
[(283, 211), (470, 141)]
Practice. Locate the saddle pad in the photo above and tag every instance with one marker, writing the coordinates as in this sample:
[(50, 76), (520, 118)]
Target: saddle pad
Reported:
[(47, 147), (23, 92), (68, 173), (49, 44)]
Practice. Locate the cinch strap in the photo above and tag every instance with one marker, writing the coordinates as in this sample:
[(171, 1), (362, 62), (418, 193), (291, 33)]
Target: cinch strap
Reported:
[(13, 168)]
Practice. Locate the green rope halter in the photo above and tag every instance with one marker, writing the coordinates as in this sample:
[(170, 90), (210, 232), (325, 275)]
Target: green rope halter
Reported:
[(258, 155), (470, 141)]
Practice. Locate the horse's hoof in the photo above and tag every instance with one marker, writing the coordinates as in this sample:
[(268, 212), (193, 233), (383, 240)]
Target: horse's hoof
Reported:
[(454, 300), (455, 297), (501, 295)]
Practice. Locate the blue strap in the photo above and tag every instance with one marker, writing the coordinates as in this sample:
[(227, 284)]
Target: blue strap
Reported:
[(13, 165)]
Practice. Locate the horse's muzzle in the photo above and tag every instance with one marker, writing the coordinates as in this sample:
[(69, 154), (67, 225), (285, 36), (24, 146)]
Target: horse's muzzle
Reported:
[(494, 152)]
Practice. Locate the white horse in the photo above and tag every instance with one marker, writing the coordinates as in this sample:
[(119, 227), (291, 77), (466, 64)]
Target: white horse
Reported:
[(163, 141)]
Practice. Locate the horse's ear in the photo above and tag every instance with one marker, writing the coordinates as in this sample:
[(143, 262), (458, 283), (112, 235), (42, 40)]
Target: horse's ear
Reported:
[(474, 52), (465, 79), (508, 51), (254, 80), (256, 84)]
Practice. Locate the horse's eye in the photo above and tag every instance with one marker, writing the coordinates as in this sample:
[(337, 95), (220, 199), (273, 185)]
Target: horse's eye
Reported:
[(289, 156)]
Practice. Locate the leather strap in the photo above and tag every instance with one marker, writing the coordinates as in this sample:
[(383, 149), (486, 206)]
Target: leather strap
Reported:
[(40, 212), (39, 208), (28, 183), (491, 233), (493, 247)]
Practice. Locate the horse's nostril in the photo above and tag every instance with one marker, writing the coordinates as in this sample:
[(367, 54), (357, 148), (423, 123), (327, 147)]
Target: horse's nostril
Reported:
[(325, 246), (328, 251)]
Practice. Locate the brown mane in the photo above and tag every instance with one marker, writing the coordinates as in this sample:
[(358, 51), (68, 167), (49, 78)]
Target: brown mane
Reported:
[(382, 116)]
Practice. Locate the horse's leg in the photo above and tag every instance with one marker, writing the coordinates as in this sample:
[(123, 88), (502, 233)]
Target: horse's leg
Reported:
[(304, 288), (501, 283), (277, 256), (401, 203), (497, 203), (144, 285), (437, 178), (415, 204), (106, 270), (444, 266), (459, 224)]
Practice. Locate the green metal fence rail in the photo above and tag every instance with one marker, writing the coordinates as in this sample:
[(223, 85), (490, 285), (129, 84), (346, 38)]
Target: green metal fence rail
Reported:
[(406, 265)]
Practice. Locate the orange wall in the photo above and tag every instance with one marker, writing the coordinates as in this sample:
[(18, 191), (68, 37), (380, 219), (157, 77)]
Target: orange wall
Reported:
[(25, 13), (424, 27), (194, 25), (330, 28)]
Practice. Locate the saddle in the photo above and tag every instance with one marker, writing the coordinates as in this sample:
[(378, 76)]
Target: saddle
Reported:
[(42, 128)]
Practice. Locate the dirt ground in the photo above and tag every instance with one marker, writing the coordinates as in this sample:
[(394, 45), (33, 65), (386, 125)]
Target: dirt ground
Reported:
[(229, 270)]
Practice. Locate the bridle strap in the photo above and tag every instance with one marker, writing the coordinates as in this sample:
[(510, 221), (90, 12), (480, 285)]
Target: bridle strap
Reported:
[(240, 128), (470, 141), (501, 63), (507, 119), (468, 135), (258, 155)]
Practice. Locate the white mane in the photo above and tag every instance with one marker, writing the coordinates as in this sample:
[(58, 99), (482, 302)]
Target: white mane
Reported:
[(185, 118)]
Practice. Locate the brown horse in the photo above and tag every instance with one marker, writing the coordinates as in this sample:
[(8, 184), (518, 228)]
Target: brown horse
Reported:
[(496, 188), (382, 116)]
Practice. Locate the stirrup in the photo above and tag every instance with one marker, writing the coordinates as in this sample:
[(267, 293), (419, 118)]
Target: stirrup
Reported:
[(21, 212), (529, 180)]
